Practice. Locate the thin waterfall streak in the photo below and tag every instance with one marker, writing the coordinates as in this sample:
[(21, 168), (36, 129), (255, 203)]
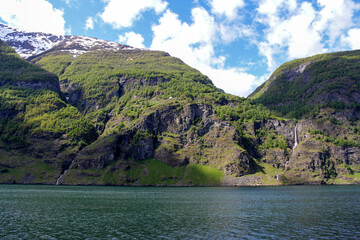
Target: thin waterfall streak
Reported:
[(59, 178), (295, 138)]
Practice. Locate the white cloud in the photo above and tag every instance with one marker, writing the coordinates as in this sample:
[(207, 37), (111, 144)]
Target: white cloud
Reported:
[(72, 3), (35, 15), (289, 29), (334, 17), (228, 8), (271, 7), (231, 32), (303, 40), (194, 44), (121, 14), (268, 51), (89, 23), (232, 80), (132, 39), (301, 29), (352, 38)]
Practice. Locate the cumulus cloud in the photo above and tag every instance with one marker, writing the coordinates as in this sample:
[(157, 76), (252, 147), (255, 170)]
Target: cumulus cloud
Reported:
[(228, 8), (352, 38), (89, 23), (35, 15), (122, 14), (190, 42), (270, 8), (229, 32), (301, 38), (194, 44), (292, 32), (72, 3), (232, 80), (301, 29), (268, 51), (132, 39), (334, 17)]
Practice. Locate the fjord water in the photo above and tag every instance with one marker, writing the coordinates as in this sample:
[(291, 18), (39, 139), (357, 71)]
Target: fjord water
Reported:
[(84, 212)]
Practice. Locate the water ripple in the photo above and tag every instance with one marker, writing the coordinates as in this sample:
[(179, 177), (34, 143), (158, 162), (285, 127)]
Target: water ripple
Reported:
[(63, 212)]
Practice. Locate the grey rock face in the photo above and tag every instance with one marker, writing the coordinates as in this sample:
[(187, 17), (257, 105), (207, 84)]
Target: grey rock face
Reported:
[(177, 135)]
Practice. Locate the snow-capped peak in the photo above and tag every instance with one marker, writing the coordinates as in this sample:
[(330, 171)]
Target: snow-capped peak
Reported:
[(28, 44), (5, 30), (78, 45)]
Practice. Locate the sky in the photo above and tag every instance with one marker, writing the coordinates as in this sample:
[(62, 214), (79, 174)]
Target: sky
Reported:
[(236, 43)]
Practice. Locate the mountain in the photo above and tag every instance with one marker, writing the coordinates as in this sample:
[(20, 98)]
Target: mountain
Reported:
[(322, 93), (35, 122), (148, 105), (109, 114), (144, 105), (28, 44), (305, 85)]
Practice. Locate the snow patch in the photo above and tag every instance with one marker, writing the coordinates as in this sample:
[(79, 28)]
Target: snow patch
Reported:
[(28, 44)]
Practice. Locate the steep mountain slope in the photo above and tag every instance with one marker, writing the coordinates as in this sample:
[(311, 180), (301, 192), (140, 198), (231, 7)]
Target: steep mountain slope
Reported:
[(323, 92), (39, 132), (304, 85), (118, 115), (146, 104)]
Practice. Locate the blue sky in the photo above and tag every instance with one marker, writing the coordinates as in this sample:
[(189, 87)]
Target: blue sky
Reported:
[(237, 43)]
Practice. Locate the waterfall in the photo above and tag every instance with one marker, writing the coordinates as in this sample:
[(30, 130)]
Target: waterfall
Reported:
[(295, 138), (59, 178)]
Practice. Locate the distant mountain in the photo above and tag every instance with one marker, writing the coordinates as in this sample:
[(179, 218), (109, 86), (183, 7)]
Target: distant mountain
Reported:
[(88, 111), (28, 44)]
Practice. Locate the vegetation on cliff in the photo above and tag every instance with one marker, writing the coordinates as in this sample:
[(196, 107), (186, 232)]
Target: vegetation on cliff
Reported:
[(303, 86), (135, 117)]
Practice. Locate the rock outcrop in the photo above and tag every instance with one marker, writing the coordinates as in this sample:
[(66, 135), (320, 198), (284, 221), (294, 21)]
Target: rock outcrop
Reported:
[(177, 135), (88, 111)]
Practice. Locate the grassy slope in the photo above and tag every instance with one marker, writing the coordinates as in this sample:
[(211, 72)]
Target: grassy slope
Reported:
[(97, 74), (33, 121), (147, 172), (156, 81), (329, 80), (159, 81), (15, 69), (332, 85), (326, 92)]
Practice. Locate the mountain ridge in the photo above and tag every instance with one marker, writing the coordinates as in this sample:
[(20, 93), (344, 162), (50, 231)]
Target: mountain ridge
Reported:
[(138, 117), (28, 44), (321, 80)]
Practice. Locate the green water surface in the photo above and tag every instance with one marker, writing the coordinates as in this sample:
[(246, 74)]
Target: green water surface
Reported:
[(94, 212)]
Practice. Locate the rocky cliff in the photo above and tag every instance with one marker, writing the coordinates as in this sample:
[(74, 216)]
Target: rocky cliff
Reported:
[(38, 130), (87, 111), (143, 104), (322, 92)]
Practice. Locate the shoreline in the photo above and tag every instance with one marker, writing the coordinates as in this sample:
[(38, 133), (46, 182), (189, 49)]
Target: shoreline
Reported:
[(178, 186)]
